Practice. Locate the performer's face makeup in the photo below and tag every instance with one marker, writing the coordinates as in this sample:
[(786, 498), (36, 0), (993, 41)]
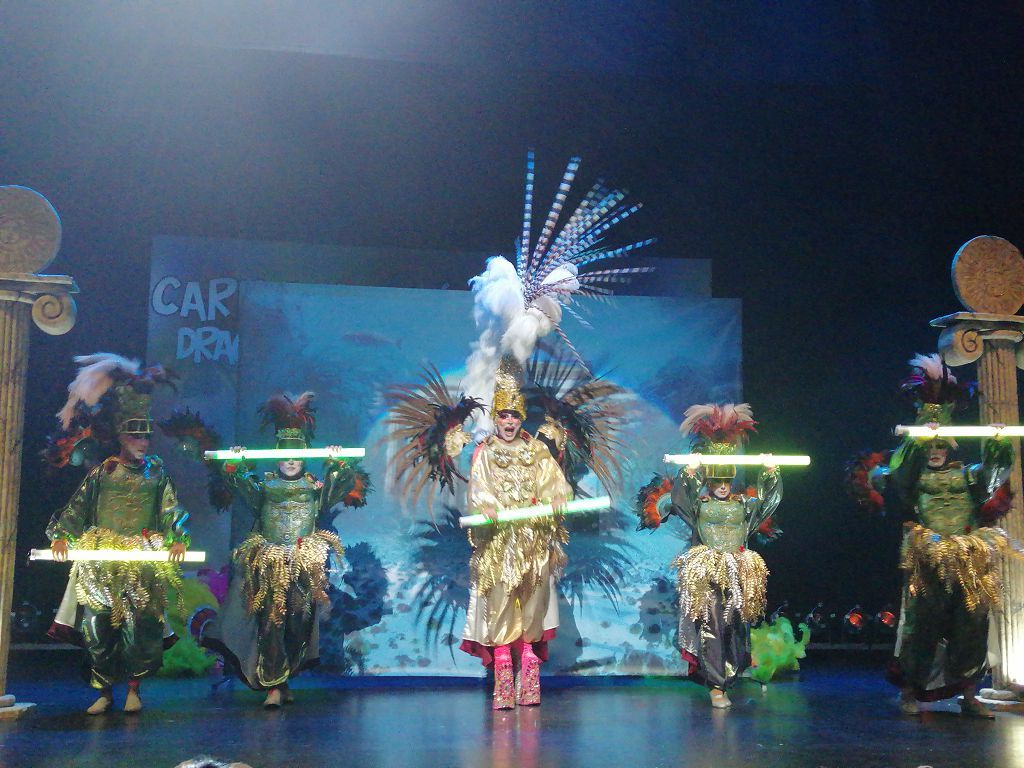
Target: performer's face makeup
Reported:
[(133, 447), (507, 425), (938, 455), (290, 469), (720, 489)]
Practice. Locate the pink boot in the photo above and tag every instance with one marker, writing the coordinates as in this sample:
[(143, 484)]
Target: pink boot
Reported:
[(504, 681), (528, 682)]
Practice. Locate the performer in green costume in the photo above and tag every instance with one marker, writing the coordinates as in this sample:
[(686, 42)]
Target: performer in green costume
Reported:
[(950, 554), (721, 584), (268, 629), (125, 502)]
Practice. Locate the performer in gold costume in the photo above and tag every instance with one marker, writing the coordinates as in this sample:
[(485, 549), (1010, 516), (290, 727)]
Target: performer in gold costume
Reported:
[(513, 603), (513, 606), (721, 584), (268, 631), (125, 502), (950, 554)]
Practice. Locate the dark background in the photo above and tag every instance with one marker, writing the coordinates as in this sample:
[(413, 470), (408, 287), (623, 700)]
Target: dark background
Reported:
[(829, 158)]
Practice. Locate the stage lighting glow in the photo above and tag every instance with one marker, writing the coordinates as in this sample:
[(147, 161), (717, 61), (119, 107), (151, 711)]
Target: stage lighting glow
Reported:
[(764, 459), (540, 510), (933, 432), (130, 555), (887, 618), (855, 619), (283, 454)]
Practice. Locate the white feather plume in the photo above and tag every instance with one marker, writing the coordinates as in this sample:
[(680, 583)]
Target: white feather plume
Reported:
[(93, 380), (931, 366), (505, 324)]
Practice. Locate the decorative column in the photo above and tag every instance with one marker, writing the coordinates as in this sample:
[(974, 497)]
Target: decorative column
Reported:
[(29, 240), (988, 276)]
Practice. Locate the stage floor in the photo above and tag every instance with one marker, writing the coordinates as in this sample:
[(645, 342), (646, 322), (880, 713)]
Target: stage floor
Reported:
[(838, 715)]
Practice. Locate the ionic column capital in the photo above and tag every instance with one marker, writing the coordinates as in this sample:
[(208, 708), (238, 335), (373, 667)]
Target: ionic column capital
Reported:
[(51, 297), (964, 335)]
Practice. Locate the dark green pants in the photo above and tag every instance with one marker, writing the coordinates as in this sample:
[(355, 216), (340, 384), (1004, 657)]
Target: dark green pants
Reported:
[(943, 646), (724, 646), (130, 652), (282, 647)]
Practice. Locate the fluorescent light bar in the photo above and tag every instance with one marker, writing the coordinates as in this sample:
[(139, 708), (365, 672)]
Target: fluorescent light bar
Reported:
[(540, 510), (283, 454), (145, 555), (751, 460), (923, 431)]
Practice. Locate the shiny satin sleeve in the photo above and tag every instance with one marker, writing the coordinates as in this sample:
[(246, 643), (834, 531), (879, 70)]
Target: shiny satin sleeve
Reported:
[(245, 484), (481, 482), (686, 495), (79, 514), (769, 496), (551, 482), (173, 517), (997, 462)]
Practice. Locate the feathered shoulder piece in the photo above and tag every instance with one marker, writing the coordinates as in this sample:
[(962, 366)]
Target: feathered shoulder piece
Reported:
[(98, 373), (931, 381), (583, 415), (859, 483), (713, 423), (286, 411), (426, 423), (515, 305), (649, 502)]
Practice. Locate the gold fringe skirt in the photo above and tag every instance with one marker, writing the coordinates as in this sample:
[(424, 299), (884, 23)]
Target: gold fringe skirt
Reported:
[(271, 570), (122, 587), (517, 555), (741, 577), (969, 561)]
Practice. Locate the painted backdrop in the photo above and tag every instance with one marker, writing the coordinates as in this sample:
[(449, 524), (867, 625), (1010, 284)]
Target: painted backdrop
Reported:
[(398, 598)]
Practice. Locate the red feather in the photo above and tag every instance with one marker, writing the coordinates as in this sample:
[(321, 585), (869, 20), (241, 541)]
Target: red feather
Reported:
[(997, 506), (283, 411)]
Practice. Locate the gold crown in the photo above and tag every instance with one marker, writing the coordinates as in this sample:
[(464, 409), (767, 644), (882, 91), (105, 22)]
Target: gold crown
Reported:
[(508, 394)]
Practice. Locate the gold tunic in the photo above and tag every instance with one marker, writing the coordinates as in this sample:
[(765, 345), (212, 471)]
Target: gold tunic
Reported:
[(514, 565)]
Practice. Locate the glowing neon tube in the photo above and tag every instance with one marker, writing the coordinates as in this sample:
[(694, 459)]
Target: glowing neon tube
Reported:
[(990, 431), (764, 459), (283, 454), (108, 555), (540, 510)]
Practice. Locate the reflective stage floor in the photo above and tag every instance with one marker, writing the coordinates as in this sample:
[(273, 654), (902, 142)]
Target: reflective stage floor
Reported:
[(839, 714)]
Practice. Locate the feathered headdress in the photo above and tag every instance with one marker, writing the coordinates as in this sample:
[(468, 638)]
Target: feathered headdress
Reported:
[(132, 385), (293, 418), (710, 423), (109, 396), (931, 382), (515, 306), (935, 391), (718, 429)]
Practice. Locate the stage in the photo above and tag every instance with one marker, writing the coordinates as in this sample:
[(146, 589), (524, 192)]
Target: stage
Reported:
[(839, 714)]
